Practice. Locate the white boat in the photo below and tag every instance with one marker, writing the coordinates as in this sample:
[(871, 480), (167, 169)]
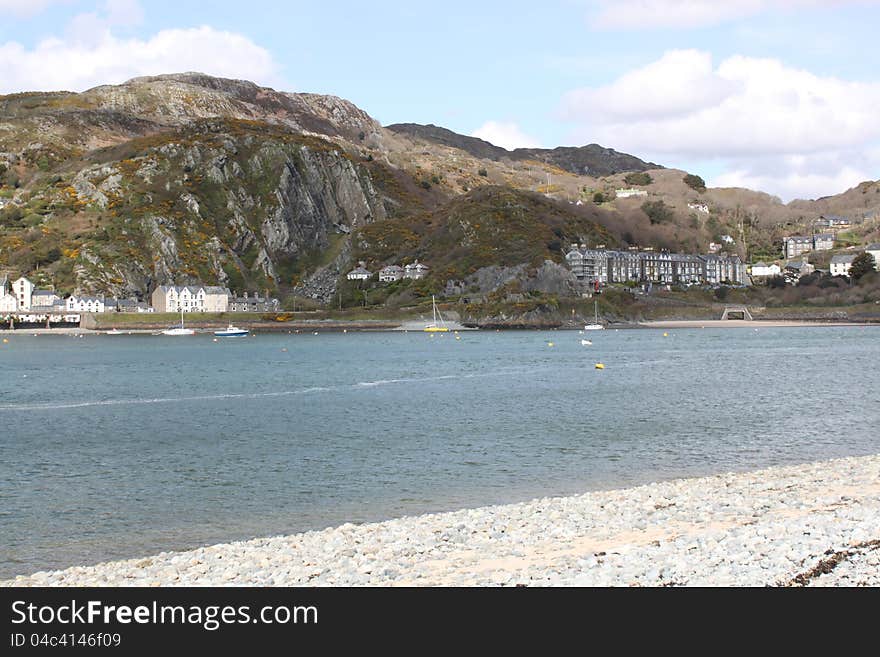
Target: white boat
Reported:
[(595, 326), (435, 327), (178, 330), (114, 331), (231, 332)]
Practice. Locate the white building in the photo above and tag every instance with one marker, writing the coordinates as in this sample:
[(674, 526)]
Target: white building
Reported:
[(22, 290), (359, 273), (44, 299), (627, 193), (190, 299), (795, 245), (8, 303), (216, 299), (415, 271), (699, 207), (763, 270), (841, 264), (823, 241), (84, 304), (874, 250), (390, 274)]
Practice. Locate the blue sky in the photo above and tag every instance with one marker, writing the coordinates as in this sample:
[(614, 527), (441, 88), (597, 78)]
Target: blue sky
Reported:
[(776, 95)]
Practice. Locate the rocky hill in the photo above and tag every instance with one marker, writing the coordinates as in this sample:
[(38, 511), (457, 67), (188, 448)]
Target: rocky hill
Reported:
[(187, 178)]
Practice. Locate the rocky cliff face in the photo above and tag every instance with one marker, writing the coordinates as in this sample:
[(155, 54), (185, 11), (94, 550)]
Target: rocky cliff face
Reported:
[(225, 202)]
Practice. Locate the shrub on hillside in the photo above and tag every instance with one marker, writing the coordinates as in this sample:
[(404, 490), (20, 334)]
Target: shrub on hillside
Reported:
[(658, 212), (638, 179), (695, 182), (863, 264)]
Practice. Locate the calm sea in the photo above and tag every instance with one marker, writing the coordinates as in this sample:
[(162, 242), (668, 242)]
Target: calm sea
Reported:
[(122, 446)]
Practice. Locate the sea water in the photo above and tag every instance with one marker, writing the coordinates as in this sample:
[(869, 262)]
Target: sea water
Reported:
[(123, 446)]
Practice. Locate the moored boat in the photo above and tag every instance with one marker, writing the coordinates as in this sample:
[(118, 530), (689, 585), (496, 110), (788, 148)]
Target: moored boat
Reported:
[(231, 332), (178, 330)]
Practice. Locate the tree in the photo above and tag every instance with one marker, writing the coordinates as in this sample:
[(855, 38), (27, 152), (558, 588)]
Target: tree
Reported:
[(863, 264), (658, 212), (598, 198), (638, 179), (695, 182)]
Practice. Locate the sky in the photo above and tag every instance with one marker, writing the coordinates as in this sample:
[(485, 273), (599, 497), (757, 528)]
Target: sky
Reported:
[(775, 95)]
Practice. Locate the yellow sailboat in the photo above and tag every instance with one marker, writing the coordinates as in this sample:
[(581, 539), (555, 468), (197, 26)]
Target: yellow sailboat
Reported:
[(434, 327)]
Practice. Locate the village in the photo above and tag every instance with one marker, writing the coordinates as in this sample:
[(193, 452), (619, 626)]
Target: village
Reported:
[(594, 267), (21, 302)]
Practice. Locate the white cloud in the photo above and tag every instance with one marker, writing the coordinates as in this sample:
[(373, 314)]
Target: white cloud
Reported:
[(27, 7), (76, 63), (793, 183), (745, 109), (505, 134), (687, 14), (679, 81)]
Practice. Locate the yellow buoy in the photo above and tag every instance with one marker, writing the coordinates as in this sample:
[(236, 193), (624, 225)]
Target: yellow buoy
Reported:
[(600, 366), (5, 341), (665, 335), (458, 337), (549, 344)]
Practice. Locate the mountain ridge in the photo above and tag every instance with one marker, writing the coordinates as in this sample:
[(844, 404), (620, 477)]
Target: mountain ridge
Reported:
[(591, 159), (189, 178)]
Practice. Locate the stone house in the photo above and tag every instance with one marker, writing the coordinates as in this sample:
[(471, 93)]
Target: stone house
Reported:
[(415, 271), (390, 274)]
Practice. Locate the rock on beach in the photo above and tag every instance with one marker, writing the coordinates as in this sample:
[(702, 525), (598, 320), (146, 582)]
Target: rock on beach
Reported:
[(816, 524)]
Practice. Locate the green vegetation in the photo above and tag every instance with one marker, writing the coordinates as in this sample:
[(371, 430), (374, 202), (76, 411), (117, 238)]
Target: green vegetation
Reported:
[(638, 179), (658, 212), (861, 266), (695, 182)]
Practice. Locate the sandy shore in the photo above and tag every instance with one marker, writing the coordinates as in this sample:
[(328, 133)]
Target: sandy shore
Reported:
[(742, 323), (813, 524)]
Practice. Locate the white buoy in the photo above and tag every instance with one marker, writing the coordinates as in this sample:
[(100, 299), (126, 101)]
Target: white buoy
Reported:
[(586, 342)]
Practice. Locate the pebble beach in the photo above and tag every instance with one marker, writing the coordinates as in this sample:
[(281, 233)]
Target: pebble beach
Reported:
[(816, 524)]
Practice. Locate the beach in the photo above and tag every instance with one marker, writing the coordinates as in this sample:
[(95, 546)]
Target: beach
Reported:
[(815, 524), (743, 323)]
